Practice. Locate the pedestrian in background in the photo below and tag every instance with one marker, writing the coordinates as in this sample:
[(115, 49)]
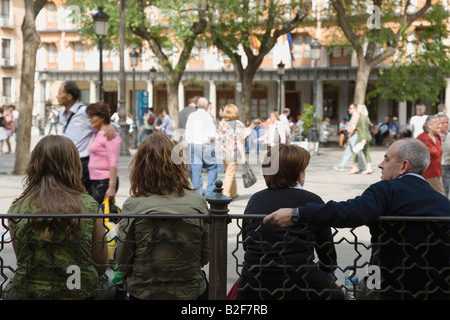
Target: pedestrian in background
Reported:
[(149, 123), (201, 136), (365, 137), (416, 122), (275, 133), (103, 155), (430, 136), (76, 126), (53, 116), (184, 114), (352, 137), (167, 125), (257, 131), (231, 139), (445, 141)]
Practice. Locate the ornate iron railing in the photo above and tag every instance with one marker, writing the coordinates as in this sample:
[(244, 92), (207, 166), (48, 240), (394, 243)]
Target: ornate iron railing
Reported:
[(401, 257)]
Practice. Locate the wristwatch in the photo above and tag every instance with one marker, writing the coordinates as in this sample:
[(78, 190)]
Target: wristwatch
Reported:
[(294, 218)]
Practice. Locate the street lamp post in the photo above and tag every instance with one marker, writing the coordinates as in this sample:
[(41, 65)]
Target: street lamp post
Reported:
[(101, 30), (280, 71), (153, 78), (44, 116), (134, 55), (316, 49)]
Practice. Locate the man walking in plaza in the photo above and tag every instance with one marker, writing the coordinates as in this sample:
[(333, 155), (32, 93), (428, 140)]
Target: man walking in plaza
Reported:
[(412, 256), (184, 114), (201, 135), (76, 126)]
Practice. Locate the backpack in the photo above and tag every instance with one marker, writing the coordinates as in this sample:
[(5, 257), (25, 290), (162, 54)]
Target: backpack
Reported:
[(151, 119)]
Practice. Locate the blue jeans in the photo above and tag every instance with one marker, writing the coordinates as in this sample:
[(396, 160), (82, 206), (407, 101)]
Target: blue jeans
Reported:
[(53, 125), (348, 153), (147, 132), (203, 157)]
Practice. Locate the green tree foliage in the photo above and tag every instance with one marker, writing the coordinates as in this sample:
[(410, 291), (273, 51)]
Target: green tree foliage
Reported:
[(250, 29), (369, 26), (170, 36), (422, 74)]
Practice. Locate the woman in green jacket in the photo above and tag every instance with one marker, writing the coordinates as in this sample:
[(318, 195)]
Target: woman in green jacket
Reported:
[(49, 251), (162, 258), (364, 136)]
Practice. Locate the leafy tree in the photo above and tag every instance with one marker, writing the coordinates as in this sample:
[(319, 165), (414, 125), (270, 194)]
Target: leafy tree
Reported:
[(385, 23), (171, 39), (233, 26), (31, 41), (422, 74)]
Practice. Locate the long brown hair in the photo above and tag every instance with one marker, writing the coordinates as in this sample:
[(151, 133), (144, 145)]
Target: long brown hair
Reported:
[(53, 184), (152, 170)]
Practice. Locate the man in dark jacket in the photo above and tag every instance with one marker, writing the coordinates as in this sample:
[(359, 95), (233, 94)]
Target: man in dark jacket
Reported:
[(413, 256)]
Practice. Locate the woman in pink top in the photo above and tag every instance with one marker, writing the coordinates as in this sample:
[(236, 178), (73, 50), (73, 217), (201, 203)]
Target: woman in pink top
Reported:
[(103, 155)]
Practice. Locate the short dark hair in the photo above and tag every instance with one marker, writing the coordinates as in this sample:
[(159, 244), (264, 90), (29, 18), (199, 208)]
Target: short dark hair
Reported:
[(99, 109), (292, 161), (72, 88)]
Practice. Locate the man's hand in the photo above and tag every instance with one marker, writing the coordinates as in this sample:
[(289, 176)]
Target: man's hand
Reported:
[(110, 132), (281, 217)]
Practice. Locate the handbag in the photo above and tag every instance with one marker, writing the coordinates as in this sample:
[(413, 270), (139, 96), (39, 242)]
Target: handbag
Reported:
[(248, 176), (358, 147), (109, 207)]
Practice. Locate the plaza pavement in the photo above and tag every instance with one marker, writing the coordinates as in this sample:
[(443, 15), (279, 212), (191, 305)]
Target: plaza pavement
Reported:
[(321, 179)]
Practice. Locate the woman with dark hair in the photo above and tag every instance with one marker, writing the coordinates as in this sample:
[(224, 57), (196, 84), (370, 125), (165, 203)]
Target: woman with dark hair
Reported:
[(103, 154), (162, 258), (279, 262), (47, 248)]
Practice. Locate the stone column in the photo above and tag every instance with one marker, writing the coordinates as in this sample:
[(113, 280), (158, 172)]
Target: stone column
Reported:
[(180, 96), (213, 97)]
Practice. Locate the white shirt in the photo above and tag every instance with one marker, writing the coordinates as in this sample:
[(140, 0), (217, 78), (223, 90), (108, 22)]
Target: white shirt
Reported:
[(416, 124), (79, 130), (285, 121), (200, 128), (271, 134)]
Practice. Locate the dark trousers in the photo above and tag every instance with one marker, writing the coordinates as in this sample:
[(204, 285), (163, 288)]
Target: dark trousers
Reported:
[(99, 187), (85, 176)]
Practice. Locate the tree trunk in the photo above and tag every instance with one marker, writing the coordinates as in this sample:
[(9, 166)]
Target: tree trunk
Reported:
[(172, 102), (31, 42), (246, 97), (362, 79)]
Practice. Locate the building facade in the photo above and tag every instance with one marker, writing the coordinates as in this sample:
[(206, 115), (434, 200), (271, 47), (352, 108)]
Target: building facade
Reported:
[(63, 56), (11, 17)]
